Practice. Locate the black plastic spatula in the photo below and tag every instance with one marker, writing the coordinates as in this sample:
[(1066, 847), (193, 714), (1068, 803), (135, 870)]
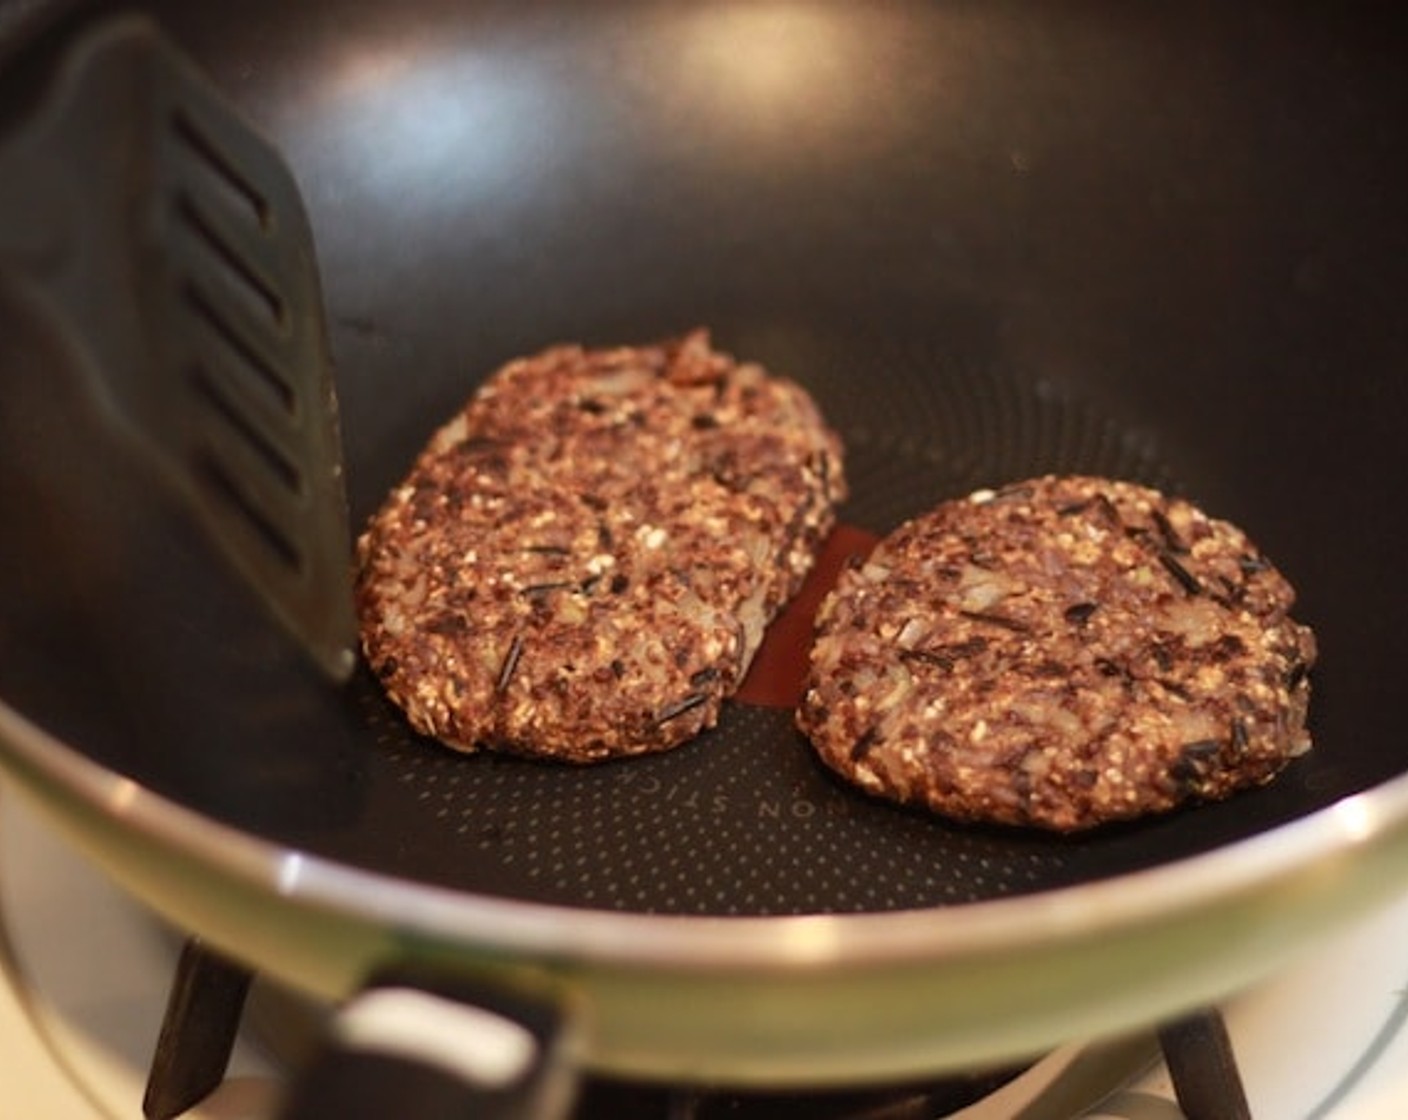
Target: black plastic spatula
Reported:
[(169, 244), (160, 252)]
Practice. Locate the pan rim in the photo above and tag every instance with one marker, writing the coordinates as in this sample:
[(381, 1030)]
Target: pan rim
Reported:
[(1352, 826)]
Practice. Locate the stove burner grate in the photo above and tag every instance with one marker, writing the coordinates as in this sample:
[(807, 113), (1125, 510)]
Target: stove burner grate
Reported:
[(208, 994)]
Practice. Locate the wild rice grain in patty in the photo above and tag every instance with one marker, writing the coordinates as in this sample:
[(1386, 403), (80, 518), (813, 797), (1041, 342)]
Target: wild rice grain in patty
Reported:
[(581, 563), (1059, 653)]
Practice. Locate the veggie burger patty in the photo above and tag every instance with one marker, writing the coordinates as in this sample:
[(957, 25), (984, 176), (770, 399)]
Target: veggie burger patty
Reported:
[(1062, 652), (581, 563)]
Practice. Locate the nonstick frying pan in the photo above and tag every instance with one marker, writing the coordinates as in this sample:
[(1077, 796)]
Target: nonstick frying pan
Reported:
[(1166, 242)]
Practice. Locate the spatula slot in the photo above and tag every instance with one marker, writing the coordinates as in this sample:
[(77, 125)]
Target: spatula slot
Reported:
[(196, 139), (223, 484), (210, 391), (235, 342), (261, 294)]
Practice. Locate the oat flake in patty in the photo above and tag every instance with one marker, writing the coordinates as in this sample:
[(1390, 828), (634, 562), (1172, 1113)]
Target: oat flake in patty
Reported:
[(1060, 653), (581, 563)]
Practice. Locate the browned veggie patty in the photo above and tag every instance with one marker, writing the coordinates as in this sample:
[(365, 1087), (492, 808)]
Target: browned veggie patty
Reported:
[(1060, 653), (582, 562)]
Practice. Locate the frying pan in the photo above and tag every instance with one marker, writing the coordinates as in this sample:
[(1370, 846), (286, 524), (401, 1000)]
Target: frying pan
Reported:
[(1166, 242)]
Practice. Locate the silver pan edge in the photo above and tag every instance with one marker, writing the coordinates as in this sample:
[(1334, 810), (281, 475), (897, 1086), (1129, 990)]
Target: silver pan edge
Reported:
[(777, 1001)]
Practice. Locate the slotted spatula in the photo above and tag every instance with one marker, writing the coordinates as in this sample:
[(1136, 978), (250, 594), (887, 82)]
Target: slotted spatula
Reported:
[(171, 243), (165, 245)]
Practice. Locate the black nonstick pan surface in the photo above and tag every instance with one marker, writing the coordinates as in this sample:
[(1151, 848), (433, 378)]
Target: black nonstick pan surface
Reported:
[(1166, 242)]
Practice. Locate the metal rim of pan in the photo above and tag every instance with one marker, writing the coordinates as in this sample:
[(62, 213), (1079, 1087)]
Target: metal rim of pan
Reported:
[(1358, 823)]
